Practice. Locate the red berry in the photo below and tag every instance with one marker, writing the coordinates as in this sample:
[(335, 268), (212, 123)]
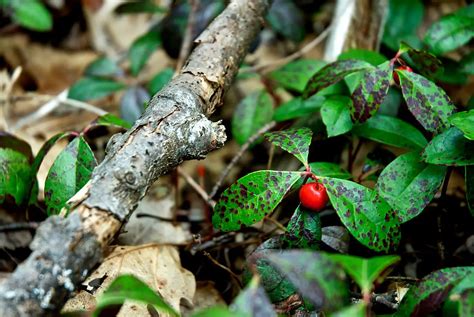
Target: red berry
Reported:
[(395, 74), (313, 196)]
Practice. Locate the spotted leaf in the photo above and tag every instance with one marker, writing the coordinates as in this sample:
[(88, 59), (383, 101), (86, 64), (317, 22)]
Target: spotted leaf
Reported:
[(294, 141), (251, 198), (332, 73), (426, 63), (371, 92), (303, 230), (367, 216), (429, 293), (408, 184), (450, 148), (427, 102)]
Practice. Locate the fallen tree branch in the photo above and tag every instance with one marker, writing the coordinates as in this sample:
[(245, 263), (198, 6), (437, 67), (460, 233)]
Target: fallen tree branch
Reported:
[(174, 128)]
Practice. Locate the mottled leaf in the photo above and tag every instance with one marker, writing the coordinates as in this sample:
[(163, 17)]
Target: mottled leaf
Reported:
[(372, 57), (253, 301), (160, 80), (319, 280), (303, 230), (464, 121), (251, 198), (110, 120), (371, 92), (298, 107), (391, 131), (460, 301), (141, 50), (450, 148), (9, 141), (89, 88), (128, 287), (366, 215), (294, 141), (103, 67), (133, 103), (366, 272), (336, 115), (251, 114), (70, 171), (427, 102), (469, 178), (336, 237), (408, 184), (295, 75), (451, 31), (16, 177), (332, 73), (426, 63), (287, 19), (32, 14), (355, 310), (430, 292)]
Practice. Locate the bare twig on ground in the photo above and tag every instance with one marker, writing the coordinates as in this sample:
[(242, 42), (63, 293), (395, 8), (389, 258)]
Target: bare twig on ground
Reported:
[(196, 187)]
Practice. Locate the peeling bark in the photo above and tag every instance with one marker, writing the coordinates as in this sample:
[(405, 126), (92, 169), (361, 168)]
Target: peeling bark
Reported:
[(174, 128)]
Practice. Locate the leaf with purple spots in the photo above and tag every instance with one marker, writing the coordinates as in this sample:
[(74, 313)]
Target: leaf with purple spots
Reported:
[(450, 148), (408, 184), (332, 73), (426, 63), (294, 141), (429, 293), (367, 216), (303, 230), (71, 170), (427, 102), (371, 92), (251, 198)]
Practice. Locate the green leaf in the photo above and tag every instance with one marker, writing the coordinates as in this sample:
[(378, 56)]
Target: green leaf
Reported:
[(298, 107), (294, 141), (103, 67), (371, 57), (355, 310), (429, 293), (453, 73), (32, 14), (427, 102), (287, 19), (71, 170), (303, 230), (469, 179), (332, 73), (391, 131), (467, 64), (426, 63), (327, 169), (216, 311), (366, 215), (295, 75), (89, 88), (460, 301), (128, 287), (451, 31), (9, 141), (16, 177), (160, 80), (251, 198), (336, 115), (141, 50), (319, 280), (253, 301), (110, 120), (408, 185), (371, 92), (450, 148), (251, 114), (366, 272), (464, 121), (404, 18)]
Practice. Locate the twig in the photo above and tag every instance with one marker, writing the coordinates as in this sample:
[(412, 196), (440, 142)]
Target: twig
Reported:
[(196, 187), (188, 35), (276, 223), (17, 226), (239, 154), (225, 268)]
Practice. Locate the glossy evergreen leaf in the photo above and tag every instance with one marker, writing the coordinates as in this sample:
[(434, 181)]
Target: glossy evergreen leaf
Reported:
[(287, 19), (251, 198), (336, 115), (391, 131), (450, 148), (32, 14), (303, 230), (128, 287), (298, 107), (251, 114), (318, 279), (367, 216), (371, 92), (451, 31), (160, 80), (372, 57), (427, 102), (452, 74), (294, 141), (16, 177), (110, 120), (70, 171), (460, 301), (332, 73), (425, 62), (409, 185), (103, 67), (295, 75), (133, 103), (366, 272), (469, 179), (89, 88), (9, 141), (430, 292), (464, 121), (141, 50), (355, 310), (328, 169), (253, 301)]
